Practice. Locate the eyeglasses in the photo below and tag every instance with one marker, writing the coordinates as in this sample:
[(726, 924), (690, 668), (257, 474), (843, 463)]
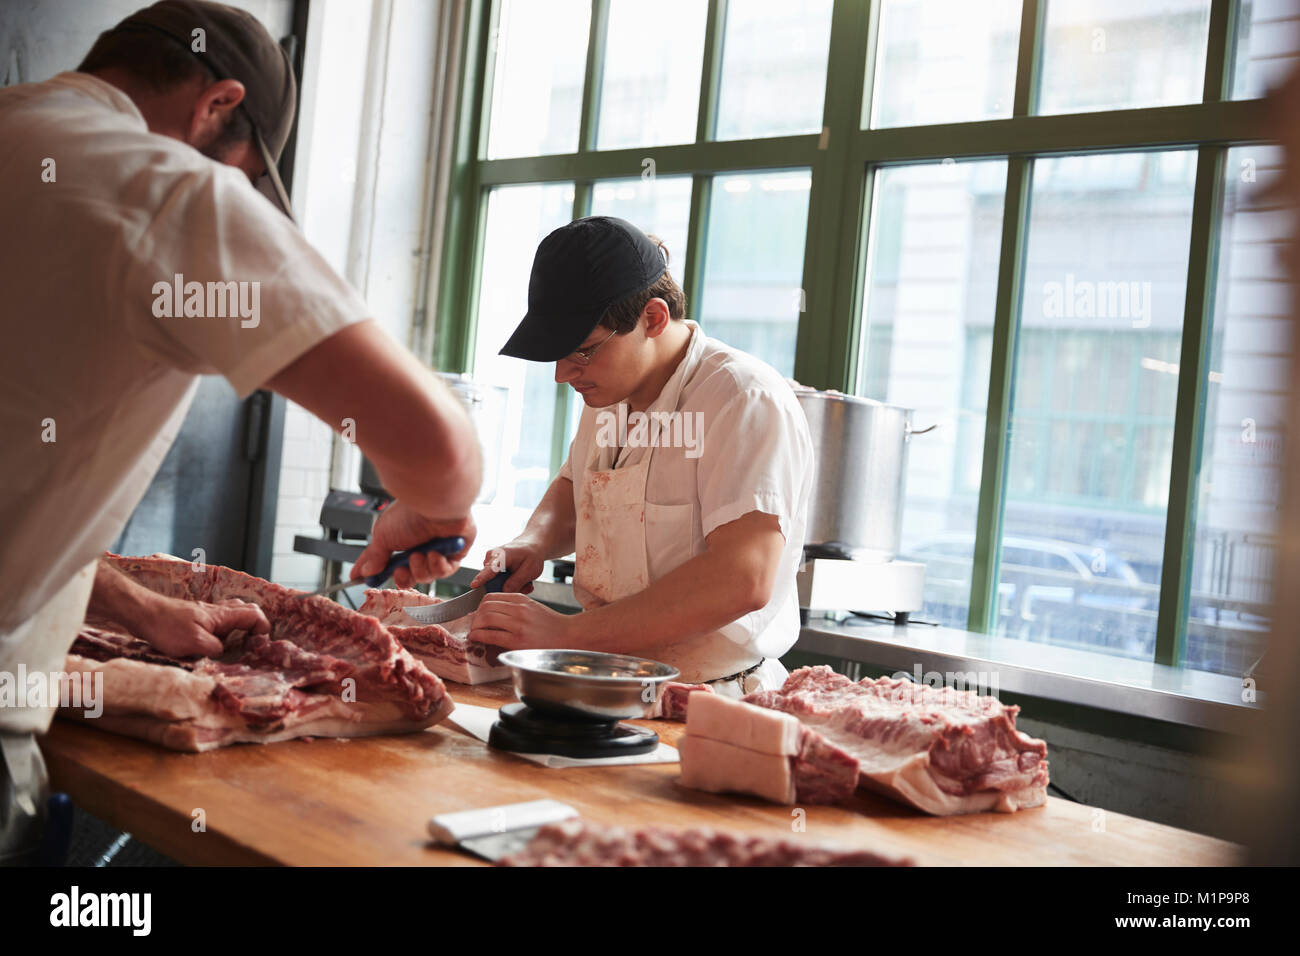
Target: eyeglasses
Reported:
[(583, 356)]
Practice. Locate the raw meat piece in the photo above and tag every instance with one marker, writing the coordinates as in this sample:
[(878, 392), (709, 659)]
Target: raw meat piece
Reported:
[(823, 772), (740, 748), (754, 728), (444, 649), (322, 671), (673, 699), (718, 767), (578, 843), (940, 750)]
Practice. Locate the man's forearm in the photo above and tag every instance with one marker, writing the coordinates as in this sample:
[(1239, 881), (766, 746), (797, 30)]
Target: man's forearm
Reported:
[(118, 598), (700, 596), (407, 422), (734, 576)]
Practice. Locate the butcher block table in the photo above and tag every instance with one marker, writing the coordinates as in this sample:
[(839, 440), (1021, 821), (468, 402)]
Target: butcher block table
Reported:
[(367, 801)]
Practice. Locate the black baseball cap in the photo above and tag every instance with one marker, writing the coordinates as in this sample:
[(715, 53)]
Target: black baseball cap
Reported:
[(236, 47), (579, 271)]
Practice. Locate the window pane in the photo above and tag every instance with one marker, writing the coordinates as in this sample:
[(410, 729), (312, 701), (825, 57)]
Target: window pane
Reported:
[(650, 92), (1268, 46), (753, 263), (926, 344), (541, 55), (1238, 499), (658, 205), (518, 218), (1093, 400), (950, 61), (773, 68), (1123, 54)]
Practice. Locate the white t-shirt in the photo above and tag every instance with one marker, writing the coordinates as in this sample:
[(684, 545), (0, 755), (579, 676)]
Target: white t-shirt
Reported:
[(754, 454), (100, 215)]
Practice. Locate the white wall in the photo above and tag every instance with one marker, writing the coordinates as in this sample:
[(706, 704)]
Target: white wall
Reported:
[(359, 195)]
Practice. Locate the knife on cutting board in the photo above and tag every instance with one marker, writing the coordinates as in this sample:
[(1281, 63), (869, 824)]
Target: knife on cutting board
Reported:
[(467, 603), (444, 546), (494, 832)]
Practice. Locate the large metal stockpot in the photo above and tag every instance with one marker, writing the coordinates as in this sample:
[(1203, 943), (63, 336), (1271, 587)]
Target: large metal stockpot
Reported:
[(861, 450)]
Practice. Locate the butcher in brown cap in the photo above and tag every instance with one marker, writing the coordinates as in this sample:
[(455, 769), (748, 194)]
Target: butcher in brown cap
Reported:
[(137, 255)]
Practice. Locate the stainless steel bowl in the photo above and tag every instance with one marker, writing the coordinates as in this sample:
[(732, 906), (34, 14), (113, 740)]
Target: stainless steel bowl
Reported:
[(608, 686)]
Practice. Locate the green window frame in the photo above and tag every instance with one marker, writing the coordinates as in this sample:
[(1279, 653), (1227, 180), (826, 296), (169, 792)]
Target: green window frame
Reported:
[(842, 160)]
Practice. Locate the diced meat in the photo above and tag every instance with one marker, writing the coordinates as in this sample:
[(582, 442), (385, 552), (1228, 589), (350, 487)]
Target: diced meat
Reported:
[(444, 649), (673, 700), (322, 671), (718, 767), (578, 843), (940, 750)]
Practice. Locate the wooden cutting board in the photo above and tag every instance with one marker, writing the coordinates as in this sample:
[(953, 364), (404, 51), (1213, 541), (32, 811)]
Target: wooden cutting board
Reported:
[(366, 802)]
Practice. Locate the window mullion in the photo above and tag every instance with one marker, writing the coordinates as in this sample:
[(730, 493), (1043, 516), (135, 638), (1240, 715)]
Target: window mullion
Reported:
[(711, 71), (833, 245), (1189, 412), (462, 231), (696, 238), (599, 29), (701, 185), (983, 609), (1189, 416), (1029, 58), (1220, 54)]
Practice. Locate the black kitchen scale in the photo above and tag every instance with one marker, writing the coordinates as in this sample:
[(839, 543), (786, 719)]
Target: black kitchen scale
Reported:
[(530, 728)]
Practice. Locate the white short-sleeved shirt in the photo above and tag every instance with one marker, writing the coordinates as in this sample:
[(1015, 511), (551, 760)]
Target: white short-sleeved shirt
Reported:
[(755, 454), (97, 212)]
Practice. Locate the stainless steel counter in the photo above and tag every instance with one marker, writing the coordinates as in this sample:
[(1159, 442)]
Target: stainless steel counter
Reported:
[(1083, 678)]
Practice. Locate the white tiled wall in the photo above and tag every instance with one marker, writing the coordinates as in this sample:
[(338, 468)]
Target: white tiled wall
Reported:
[(358, 193), (304, 482)]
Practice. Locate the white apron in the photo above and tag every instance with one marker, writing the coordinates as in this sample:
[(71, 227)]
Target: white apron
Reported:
[(610, 564), (40, 644)]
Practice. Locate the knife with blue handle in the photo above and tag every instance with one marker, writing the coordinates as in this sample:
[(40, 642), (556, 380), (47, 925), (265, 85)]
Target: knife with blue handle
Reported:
[(467, 603), (444, 546)]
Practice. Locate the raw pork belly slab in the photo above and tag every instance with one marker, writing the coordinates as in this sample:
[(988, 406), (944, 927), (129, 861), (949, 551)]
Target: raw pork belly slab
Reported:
[(941, 750), (445, 650), (719, 767), (322, 671), (734, 747), (578, 843)]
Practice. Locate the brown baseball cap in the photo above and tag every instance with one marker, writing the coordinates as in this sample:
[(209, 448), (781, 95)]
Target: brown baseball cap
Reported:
[(234, 45)]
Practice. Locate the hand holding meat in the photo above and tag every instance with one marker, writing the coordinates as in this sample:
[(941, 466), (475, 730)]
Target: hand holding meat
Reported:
[(194, 628), (516, 622), (176, 627), (523, 560), (399, 528)]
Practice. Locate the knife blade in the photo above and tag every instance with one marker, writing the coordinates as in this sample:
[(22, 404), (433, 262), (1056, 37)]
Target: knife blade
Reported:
[(493, 832), (467, 603), (444, 546)]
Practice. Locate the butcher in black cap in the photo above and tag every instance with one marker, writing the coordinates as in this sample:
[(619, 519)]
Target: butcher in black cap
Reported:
[(223, 85), (685, 493)]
